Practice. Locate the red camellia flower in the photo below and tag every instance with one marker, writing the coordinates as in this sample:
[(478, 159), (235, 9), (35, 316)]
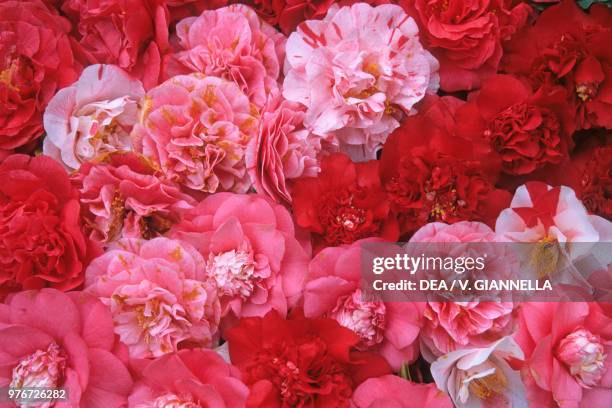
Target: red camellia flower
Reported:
[(466, 36), (41, 242), (430, 174), (344, 203), (36, 59), (300, 362), (132, 34), (527, 131), (570, 48)]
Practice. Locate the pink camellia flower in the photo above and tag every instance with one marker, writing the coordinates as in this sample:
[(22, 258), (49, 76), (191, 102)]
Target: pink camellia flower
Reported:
[(392, 391), (250, 252), (197, 129), (232, 43), (482, 377), (333, 289), (189, 379), (358, 71), (125, 196), (52, 339), (541, 213), (158, 296), (94, 115), (568, 350), (454, 325), (283, 150)]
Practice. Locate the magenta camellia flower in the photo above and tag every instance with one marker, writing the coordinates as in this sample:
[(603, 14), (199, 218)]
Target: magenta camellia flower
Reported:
[(52, 339), (333, 289), (358, 71), (189, 379), (94, 115), (283, 150), (449, 326), (158, 296), (197, 129), (584, 354), (233, 43), (250, 251), (125, 196)]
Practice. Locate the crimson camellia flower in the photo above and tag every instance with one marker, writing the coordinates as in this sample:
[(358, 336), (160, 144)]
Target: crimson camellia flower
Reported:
[(430, 174), (37, 58), (344, 203), (41, 238), (527, 131), (300, 362), (569, 48)]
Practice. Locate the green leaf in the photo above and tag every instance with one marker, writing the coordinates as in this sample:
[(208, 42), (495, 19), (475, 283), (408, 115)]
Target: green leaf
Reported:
[(585, 4)]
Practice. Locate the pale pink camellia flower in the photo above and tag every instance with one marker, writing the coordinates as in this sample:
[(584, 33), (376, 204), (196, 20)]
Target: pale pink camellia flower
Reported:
[(158, 295), (95, 115), (333, 289), (189, 379), (482, 377), (358, 71), (283, 149), (197, 129), (541, 213), (232, 43), (124, 195), (250, 250), (391, 391), (448, 326), (568, 350), (52, 339)]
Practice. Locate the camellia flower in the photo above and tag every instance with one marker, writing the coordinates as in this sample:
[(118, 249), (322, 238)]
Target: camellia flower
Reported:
[(569, 48), (430, 174), (393, 391), (37, 57), (528, 131), (466, 36), (299, 361), (568, 348), (124, 195), (358, 71), (343, 203), (56, 340), (541, 213), (131, 34), (158, 295), (250, 253), (333, 289), (482, 377), (188, 379), (93, 116), (448, 326), (232, 43), (197, 129), (283, 150), (41, 238)]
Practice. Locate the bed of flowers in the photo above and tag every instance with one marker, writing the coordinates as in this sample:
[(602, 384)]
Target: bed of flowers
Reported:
[(185, 186)]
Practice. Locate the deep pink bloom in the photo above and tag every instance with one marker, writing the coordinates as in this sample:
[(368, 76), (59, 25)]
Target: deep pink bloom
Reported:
[(63, 340), (157, 294), (186, 379), (197, 129), (333, 289), (250, 252)]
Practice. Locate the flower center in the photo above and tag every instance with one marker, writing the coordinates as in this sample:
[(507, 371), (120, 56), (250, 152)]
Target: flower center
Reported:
[(343, 220), (174, 401), (583, 353), (43, 368), (233, 272), (7, 74), (545, 256), (363, 316), (489, 386), (587, 91)]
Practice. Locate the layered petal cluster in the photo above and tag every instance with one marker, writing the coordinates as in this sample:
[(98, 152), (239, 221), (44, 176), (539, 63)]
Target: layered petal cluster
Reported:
[(358, 72), (158, 296), (197, 129)]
